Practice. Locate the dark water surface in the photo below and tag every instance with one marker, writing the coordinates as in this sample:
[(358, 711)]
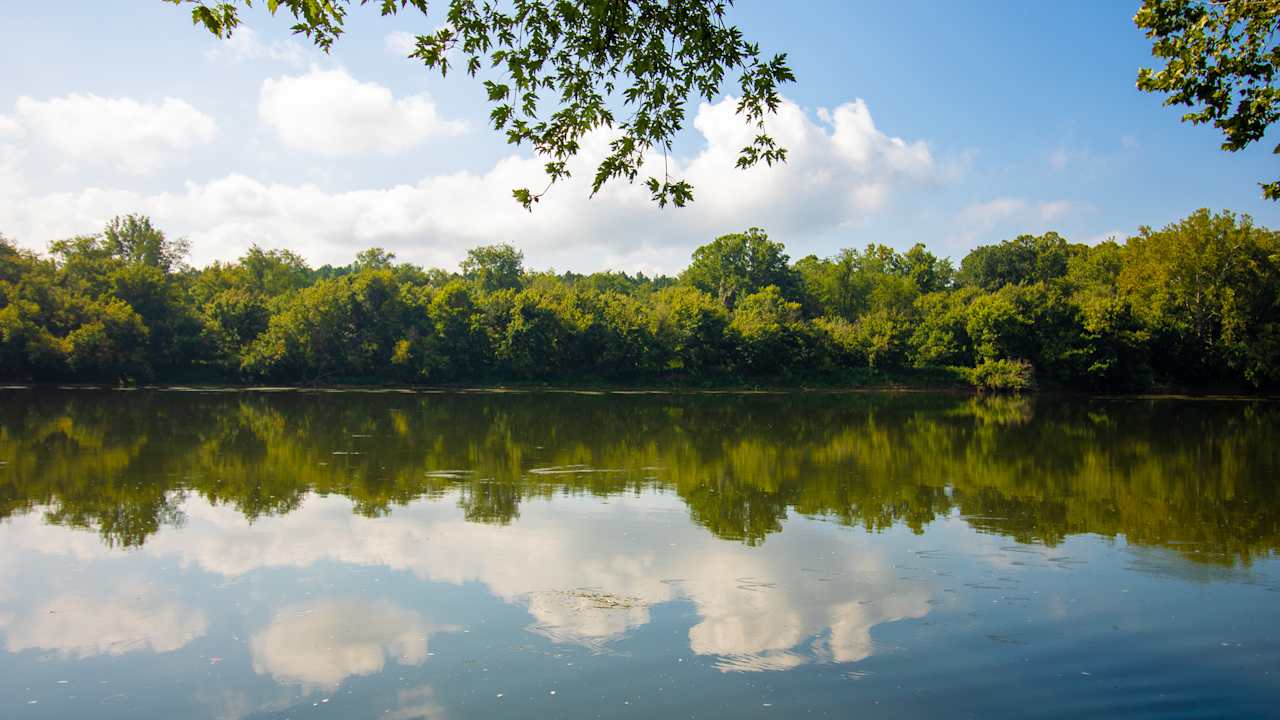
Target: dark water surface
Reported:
[(169, 554)]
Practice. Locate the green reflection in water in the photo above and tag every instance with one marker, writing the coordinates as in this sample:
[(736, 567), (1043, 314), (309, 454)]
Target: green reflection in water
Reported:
[(1198, 476)]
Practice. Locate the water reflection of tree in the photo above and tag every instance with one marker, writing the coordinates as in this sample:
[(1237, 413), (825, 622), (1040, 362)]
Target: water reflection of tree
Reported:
[(1197, 475)]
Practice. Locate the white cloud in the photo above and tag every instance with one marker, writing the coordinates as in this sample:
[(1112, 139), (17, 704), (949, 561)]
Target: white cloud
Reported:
[(856, 137), (841, 171), (400, 43), (137, 137), (417, 703), (12, 183), (9, 128), (81, 626), (329, 112), (1054, 210), (756, 608), (987, 214), (1000, 218), (245, 45), (319, 644)]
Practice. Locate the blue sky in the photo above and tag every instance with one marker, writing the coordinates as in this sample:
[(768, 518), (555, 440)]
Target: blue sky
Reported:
[(949, 123)]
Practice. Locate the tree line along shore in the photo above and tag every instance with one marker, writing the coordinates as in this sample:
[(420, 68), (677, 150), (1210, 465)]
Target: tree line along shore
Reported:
[(1195, 305)]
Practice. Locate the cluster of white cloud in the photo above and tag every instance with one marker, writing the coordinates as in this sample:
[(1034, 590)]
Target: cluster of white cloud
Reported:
[(319, 644), (988, 214), (841, 170), (10, 128), (137, 137), (80, 625), (329, 112), (757, 609), (245, 45), (400, 43), (980, 220), (417, 703)]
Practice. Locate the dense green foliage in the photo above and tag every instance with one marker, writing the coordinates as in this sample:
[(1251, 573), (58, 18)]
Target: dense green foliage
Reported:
[(1195, 304), (631, 68), (1221, 60), (1197, 476)]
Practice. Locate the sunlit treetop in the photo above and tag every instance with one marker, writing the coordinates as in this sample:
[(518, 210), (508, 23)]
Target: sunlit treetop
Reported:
[(1221, 60), (558, 69)]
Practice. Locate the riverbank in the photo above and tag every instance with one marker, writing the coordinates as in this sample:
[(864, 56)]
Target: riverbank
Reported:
[(629, 389)]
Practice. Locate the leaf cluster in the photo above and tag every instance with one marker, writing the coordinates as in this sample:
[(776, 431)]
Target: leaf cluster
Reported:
[(556, 70)]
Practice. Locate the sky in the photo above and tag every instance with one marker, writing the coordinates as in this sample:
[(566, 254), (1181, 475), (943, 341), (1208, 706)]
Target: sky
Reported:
[(953, 124)]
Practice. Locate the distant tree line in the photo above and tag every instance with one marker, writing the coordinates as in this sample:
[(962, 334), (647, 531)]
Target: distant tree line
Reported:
[(1194, 304)]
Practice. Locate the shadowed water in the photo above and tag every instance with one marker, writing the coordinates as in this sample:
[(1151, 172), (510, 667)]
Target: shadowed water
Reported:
[(475, 555)]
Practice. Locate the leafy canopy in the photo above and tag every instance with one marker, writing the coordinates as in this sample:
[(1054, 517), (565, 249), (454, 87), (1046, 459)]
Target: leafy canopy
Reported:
[(1221, 59), (494, 267), (585, 58), (1194, 304), (735, 265)]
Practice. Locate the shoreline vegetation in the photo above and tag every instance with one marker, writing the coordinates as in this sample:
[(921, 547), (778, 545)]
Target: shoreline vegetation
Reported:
[(1191, 308), (958, 390)]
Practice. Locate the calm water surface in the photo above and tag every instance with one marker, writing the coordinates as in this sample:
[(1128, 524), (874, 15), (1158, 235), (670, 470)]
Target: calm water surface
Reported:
[(169, 554)]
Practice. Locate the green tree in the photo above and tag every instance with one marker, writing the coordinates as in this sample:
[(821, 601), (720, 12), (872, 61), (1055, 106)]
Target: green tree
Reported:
[(174, 328), (620, 340), (460, 343), (136, 241), (1023, 260), (929, 272), (734, 266), (1195, 304), (112, 345), (236, 317), (1113, 340), (1002, 324), (537, 342), (690, 328), (881, 337), (579, 58), (1220, 61), (274, 272), (854, 282), (1003, 376), (941, 335), (1208, 288), (835, 286), (32, 313), (374, 259), (769, 333), (346, 327), (494, 267), (27, 347)]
